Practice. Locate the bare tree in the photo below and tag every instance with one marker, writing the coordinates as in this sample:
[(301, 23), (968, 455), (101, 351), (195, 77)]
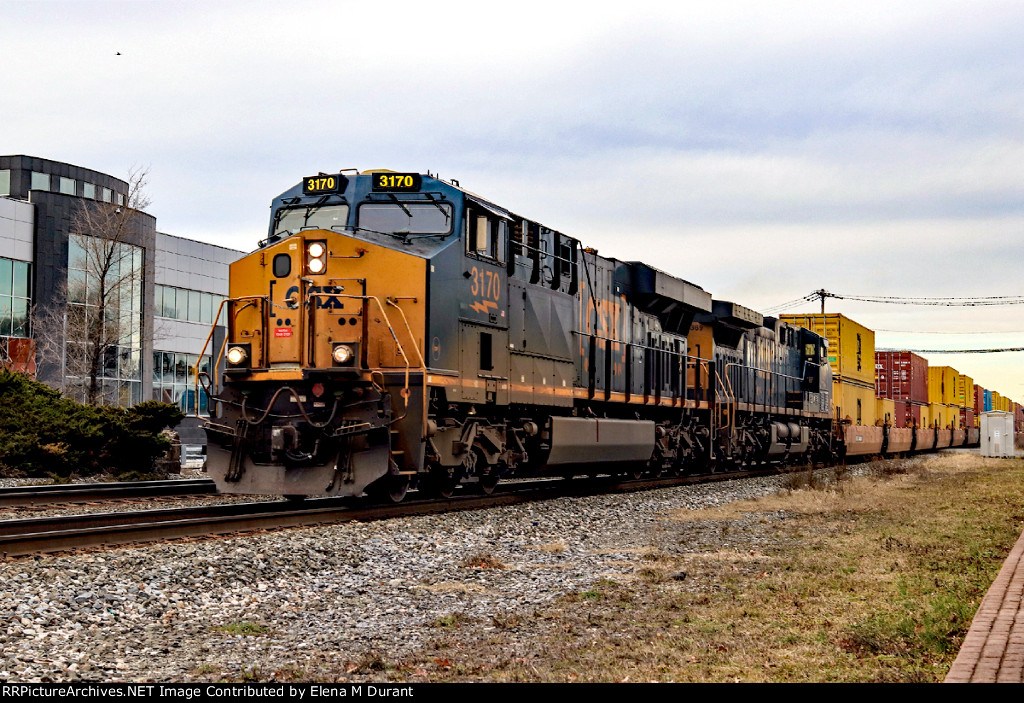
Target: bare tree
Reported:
[(97, 332)]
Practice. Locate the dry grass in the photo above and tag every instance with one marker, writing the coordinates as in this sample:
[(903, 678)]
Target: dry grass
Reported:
[(870, 579), (483, 561)]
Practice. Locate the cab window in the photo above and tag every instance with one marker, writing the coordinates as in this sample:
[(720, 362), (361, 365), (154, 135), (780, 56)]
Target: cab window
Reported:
[(486, 236)]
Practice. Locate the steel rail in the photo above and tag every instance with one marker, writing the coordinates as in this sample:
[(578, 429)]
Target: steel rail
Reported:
[(65, 533), (86, 492)]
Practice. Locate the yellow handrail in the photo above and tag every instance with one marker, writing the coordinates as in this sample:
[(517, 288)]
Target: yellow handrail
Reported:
[(213, 327)]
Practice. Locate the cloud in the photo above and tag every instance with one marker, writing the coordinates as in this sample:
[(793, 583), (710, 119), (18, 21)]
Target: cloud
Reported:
[(738, 145)]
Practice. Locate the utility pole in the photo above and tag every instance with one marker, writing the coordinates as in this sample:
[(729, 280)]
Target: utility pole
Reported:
[(822, 293)]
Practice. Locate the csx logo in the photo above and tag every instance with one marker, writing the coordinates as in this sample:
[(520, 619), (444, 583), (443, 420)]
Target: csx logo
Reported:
[(331, 303)]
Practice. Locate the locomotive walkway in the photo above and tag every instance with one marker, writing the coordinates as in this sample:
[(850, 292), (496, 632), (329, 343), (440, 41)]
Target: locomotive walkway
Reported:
[(993, 651)]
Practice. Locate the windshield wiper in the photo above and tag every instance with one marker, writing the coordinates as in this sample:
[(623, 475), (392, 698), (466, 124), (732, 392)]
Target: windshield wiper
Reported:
[(399, 204), (437, 205)]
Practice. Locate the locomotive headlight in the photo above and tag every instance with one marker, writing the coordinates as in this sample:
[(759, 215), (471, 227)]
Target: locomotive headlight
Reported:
[(237, 355), (316, 257), (342, 354)]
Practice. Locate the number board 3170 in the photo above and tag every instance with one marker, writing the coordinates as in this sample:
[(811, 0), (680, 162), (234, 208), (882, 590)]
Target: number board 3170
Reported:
[(396, 182)]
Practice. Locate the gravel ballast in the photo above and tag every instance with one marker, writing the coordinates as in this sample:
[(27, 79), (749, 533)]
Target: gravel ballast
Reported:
[(311, 602)]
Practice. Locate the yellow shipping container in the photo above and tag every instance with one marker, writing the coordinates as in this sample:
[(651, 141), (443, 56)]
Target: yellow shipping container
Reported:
[(854, 402), (997, 401), (965, 392), (885, 411), (851, 345), (943, 382), (941, 415)]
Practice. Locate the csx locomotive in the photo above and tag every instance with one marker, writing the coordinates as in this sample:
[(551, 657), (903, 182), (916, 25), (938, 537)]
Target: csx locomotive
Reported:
[(396, 329)]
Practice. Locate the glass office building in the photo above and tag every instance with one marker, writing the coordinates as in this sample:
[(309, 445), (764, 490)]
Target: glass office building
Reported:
[(151, 301)]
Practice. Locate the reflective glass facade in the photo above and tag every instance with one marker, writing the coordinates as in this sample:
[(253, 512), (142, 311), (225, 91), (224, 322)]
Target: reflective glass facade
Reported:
[(174, 379), (105, 291), (15, 297), (187, 305)]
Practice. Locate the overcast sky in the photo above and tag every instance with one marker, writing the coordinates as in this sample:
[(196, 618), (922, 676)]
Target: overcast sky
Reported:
[(760, 150)]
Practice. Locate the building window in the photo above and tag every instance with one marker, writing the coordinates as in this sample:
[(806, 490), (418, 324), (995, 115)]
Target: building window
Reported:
[(107, 315), (15, 300), (40, 181), (5, 182), (67, 186), (186, 305), (174, 380), (89, 190), (120, 198), (108, 195)]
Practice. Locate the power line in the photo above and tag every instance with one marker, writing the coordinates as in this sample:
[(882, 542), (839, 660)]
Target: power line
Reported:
[(973, 301), (958, 351), (950, 332)]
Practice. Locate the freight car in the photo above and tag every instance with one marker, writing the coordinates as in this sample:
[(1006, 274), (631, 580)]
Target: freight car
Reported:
[(395, 329)]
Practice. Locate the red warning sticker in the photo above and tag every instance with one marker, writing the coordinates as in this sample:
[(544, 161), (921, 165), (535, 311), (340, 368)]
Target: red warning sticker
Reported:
[(282, 331)]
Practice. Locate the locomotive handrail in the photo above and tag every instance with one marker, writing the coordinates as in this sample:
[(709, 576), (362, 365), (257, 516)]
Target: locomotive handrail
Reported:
[(731, 396), (423, 363), (391, 329), (220, 355)]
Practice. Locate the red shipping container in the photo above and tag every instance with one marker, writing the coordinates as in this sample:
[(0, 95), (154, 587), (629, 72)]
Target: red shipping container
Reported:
[(966, 418), (899, 415), (906, 414), (979, 400), (901, 375)]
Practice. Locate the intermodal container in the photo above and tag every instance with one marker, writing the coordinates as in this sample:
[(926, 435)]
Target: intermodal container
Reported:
[(908, 414), (965, 391), (854, 402), (926, 416), (851, 345), (967, 418), (988, 401), (997, 401), (942, 416), (901, 375), (979, 401), (942, 384), (885, 411)]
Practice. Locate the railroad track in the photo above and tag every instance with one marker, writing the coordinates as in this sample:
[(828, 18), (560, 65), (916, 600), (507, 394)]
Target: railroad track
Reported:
[(20, 496), (56, 534)]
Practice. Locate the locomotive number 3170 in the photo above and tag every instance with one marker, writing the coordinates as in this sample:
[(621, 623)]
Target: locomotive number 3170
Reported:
[(485, 284)]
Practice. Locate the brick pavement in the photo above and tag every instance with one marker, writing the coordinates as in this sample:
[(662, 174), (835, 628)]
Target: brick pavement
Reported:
[(993, 651)]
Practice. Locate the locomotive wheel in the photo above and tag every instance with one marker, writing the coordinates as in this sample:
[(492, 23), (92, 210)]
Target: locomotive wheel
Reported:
[(396, 487), (391, 487), (441, 482), (488, 483), (488, 477)]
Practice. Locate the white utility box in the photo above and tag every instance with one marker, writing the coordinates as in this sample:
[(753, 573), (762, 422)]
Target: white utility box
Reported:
[(996, 433)]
